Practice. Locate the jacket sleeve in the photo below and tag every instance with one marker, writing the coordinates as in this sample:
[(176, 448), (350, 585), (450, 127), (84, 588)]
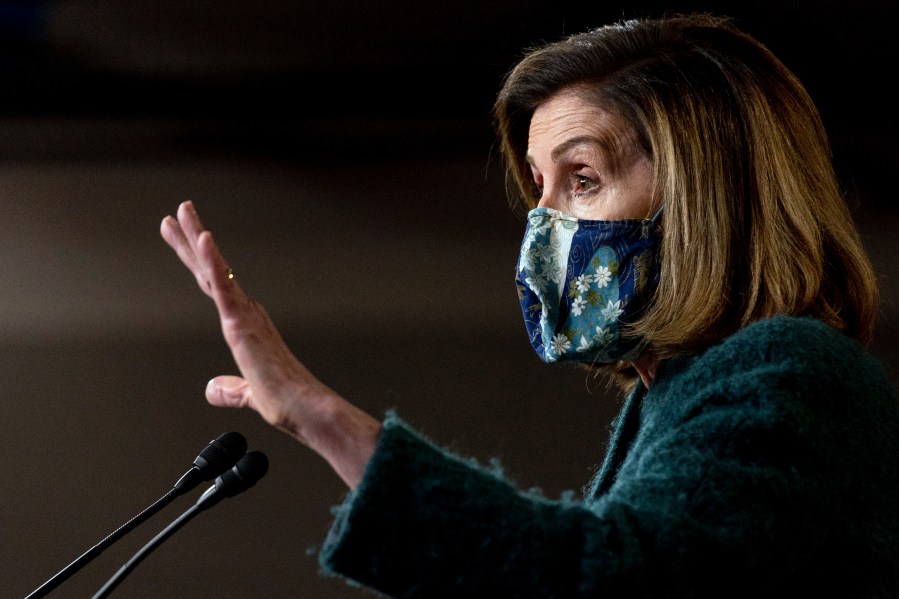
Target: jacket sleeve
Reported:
[(676, 522), (426, 523), (731, 488)]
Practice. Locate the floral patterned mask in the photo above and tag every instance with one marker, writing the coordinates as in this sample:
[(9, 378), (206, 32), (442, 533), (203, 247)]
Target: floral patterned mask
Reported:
[(579, 280)]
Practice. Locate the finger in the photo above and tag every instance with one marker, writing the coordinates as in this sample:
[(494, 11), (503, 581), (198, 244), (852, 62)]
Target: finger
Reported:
[(185, 234), (211, 265), (173, 235), (228, 392), (190, 223), (217, 273)]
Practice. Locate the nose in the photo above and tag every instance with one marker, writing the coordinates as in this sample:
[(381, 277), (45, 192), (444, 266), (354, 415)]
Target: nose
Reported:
[(549, 199)]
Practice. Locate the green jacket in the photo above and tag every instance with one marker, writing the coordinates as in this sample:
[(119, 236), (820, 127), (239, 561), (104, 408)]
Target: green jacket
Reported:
[(767, 464)]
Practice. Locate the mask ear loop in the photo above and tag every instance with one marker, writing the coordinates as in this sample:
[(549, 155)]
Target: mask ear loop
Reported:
[(658, 215)]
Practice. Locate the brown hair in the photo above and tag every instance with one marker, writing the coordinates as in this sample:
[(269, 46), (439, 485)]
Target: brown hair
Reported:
[(754, 220)]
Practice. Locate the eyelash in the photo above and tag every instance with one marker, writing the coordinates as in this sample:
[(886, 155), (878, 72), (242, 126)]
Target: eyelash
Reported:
[(576, 180)]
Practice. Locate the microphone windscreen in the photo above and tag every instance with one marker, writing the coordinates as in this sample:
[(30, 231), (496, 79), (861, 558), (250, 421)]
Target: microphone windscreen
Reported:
[(221, 454), (249, 469)]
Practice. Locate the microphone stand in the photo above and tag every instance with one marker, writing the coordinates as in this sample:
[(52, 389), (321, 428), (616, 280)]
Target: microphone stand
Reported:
[(91, 553), (138, 557), (219, 455), (243, 475)]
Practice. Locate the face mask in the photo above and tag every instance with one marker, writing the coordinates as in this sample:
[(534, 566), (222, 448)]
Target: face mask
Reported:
[(580, 280)]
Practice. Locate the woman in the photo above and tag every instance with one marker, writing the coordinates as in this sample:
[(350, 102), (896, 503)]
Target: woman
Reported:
[(687, 236)]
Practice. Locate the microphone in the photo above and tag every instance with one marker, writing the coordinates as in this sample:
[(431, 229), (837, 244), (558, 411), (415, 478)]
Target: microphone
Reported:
[(249, 469), (221, 453), (217, 457)]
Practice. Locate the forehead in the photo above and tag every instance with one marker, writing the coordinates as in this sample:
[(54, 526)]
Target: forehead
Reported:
[(569, 116)]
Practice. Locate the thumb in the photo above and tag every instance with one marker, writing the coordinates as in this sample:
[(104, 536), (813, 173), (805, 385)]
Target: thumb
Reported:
[(228, 392)]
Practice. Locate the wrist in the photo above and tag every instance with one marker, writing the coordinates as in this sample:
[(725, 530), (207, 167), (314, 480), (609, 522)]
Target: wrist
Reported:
[(342, 434)]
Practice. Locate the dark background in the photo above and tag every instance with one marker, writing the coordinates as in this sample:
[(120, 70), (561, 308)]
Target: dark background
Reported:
[(342, 153)]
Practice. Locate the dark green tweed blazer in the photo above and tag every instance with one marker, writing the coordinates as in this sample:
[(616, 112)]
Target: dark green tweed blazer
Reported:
[(767, 464)]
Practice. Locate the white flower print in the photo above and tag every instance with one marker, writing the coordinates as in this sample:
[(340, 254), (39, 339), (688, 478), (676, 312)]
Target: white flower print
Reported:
[(527, 260), (537, 283), (612, 310), (603, 276), (543, 250), (551, 261), (583, 283), (531, 235), (540, 225), (583, 345), (528, 256), (560, 344), (602, 336), (578, 305), (548, 255), (554, 272)]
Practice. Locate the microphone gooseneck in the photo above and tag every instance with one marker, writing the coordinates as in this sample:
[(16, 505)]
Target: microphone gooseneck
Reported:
[(217, 457), (243, 475)]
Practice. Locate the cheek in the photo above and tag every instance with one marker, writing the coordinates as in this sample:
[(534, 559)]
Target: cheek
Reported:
[(623, 199), (632, 207), (634, 192)]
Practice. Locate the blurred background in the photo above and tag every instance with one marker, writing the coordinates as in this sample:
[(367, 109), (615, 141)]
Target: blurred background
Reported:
[(342, 153)]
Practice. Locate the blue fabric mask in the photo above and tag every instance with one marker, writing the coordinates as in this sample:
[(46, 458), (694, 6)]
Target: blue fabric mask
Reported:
[(579, 280)]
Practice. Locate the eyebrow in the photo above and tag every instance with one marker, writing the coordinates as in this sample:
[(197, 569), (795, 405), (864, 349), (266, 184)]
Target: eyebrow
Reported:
[(604, 143), (611, 145), (568, 144)]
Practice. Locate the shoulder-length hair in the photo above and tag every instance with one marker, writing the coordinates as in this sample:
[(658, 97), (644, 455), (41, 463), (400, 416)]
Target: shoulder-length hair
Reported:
[(754, 220)]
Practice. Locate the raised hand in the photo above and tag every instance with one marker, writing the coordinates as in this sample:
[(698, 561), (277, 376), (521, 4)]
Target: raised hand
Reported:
[(273, 381)]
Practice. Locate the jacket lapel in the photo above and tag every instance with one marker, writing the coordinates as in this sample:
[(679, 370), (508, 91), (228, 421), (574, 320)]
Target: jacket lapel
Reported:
[(624, 429)]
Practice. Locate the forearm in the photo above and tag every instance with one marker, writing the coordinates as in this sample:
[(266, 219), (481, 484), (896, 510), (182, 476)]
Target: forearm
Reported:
[(345, 437)]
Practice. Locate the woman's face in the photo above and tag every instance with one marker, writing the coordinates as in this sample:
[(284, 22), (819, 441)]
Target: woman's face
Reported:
[(587, 163)]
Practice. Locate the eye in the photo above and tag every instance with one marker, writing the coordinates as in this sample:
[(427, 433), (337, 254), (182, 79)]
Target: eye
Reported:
[(582, 183)]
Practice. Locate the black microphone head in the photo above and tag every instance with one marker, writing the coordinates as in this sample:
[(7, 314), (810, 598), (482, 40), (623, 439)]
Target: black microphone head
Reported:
[(249, 469), (221, 454)]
